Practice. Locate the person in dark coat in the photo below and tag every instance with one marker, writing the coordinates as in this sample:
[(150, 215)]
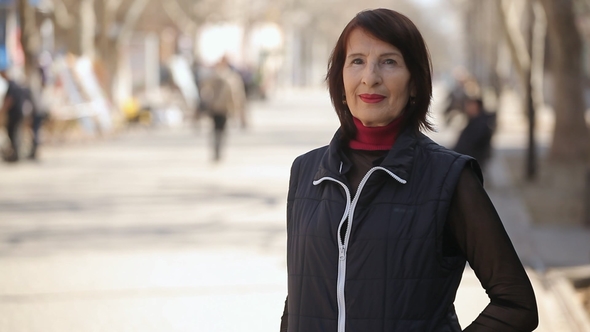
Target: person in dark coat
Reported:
[(382, 220), (476, 138), (457, 95), (12, 107)]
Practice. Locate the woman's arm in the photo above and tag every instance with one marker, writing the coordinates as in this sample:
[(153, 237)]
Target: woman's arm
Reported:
[(480, 235)]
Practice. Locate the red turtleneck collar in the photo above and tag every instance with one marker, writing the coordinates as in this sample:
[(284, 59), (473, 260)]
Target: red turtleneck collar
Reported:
[(375, 138)]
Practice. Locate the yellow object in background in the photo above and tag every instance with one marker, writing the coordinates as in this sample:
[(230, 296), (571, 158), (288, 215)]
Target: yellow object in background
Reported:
[(130, 109)]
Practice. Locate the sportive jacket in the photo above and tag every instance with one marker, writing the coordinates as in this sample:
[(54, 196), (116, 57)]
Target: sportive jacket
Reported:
[(373, 262)]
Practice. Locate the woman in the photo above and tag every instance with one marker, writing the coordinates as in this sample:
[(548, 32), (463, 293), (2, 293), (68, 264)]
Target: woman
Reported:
[(382, 220)]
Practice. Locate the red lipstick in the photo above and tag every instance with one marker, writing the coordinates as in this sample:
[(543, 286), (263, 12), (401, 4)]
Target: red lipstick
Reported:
[(371, 98)]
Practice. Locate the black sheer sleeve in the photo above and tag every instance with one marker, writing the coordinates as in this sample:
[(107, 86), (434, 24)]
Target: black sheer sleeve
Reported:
[(478, 233)]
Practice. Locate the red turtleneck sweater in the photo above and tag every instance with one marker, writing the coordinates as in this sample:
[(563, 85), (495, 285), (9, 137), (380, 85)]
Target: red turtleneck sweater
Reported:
[(369, 145), (375, 138)]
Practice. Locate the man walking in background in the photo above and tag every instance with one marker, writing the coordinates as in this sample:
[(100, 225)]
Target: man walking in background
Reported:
[(222, 95)]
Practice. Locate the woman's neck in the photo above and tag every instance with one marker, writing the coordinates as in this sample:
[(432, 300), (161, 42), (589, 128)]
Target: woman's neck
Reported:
[(375, 138)]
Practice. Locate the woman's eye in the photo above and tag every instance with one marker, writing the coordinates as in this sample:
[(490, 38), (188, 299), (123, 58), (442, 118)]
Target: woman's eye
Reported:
[(389, 62), (357, 61)]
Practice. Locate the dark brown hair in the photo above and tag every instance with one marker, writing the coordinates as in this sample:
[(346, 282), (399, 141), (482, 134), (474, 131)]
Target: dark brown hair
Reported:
[(396, 29)]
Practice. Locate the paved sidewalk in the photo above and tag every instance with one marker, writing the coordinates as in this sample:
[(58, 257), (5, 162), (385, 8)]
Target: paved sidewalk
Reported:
[(143, 232)]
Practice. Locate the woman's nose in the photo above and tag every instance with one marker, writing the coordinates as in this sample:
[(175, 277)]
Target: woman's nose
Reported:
[(371, 75)]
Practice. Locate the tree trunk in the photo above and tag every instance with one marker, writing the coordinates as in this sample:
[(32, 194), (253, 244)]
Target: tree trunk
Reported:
[(570, 136), (520, 44), (531, 154), (30, 37), (64, 24), (106, 46), (87, 23), (75, 25)]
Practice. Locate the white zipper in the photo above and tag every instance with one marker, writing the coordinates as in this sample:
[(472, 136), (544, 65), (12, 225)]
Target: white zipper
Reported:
[(343, 247), (341, 255)]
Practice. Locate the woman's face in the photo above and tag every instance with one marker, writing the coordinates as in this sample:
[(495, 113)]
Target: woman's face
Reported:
[(376, 79)]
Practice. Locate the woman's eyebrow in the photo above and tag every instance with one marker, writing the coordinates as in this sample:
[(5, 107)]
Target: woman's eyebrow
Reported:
[(392, 54), (354, 55)]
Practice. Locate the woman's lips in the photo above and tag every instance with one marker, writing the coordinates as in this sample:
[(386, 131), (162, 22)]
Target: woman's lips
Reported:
[(371, 98)]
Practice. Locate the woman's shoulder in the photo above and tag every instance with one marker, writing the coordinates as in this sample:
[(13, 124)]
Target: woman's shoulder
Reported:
[(436, 153), (305, 166), (311, 157), (428, 145), (444, 155), (323, 156)]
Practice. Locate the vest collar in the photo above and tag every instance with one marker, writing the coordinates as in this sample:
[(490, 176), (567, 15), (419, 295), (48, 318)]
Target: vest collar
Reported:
[(334, 162), (398, 160)]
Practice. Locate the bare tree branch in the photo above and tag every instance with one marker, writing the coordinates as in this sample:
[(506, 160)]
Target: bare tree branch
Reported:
[(585, 3), (538, 53), (113, 5), (179, 17), (131, 17), (62, 17), (514, 37)]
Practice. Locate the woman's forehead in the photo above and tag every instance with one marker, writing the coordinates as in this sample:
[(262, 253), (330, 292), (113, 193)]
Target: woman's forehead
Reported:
[(362, 41)]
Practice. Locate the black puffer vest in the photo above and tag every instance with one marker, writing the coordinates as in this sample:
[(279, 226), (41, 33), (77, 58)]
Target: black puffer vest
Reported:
[(387, 273)]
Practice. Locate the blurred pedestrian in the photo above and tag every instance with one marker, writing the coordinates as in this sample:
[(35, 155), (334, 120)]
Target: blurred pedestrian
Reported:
[(381, 222), (37, 99), (476, 138), (457, 95), (238, 82), (463, 88), (221, 97), (12, 107)]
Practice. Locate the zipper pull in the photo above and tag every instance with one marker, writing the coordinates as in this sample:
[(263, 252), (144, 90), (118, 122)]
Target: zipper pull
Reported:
[(342, 253)]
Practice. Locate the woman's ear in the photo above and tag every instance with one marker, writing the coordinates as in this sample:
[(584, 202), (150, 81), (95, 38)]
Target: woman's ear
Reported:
[(412, 90)]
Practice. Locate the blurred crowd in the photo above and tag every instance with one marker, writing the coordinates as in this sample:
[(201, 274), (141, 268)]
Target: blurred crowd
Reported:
[(67, 95)]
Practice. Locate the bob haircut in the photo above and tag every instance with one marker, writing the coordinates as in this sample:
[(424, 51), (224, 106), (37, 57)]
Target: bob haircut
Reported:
[(396, 29)]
